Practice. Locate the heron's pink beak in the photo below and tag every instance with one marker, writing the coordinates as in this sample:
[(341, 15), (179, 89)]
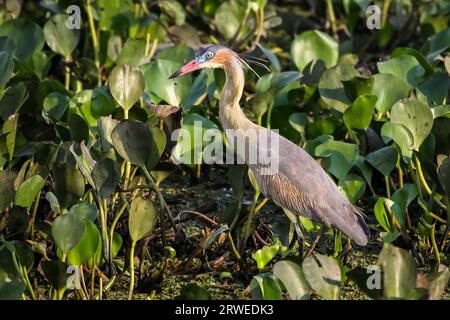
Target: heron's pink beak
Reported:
[(191, 66)]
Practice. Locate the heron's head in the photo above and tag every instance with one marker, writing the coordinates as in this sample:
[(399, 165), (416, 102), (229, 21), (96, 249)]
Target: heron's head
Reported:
[(215, 56)]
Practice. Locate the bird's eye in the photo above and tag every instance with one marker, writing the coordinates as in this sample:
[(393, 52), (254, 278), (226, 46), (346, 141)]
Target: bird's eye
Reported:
[(209, 55)]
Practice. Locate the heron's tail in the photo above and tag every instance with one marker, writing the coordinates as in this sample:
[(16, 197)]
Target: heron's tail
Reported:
[(358, 231)]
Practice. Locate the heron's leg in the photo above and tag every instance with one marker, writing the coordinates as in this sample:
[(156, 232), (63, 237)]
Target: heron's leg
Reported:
[(316, 241), (300, 237)]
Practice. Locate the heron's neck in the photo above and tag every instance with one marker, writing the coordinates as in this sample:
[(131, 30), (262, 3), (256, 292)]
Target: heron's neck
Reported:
[(230, 113)]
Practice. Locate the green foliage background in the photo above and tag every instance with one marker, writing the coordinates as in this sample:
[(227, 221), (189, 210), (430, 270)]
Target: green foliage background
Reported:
[(87, 115)]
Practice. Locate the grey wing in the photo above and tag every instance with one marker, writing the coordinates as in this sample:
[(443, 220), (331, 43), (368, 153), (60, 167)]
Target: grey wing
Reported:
[(302, 186)]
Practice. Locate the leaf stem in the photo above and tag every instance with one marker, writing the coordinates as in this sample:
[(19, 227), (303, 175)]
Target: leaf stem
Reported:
[(388, 188), (248, 224), (130, 291), (332, 17)]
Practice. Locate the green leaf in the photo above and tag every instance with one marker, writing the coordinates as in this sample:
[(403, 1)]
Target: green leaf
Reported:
[(312, 46), (193, 292), (84, 210), (132, 53), (56, 273), (53, 201), (437, 282), (388, 95), (10, 130), (358, 86), (433, 91), (383, 209), (7, 191), (55, 105), (28, 191), (127, 85), (293, 279), (400, 273), (415, 117), (359, 114), (361, 277), (157, 81), (439, 42), (13, 99), (444, 174), (79, 129), (271, 56), (106, 176), (404, 67), (342, 156), (8, 45), (323, 275), (67, 231), (189, 146), (404, 196), (157, 145), (384, 159), (86, 248), (416, 54), (28, 37), (68, 184), (11, 289), (178, 54), (174, 10), (131, 141), (265, 255), (59, 37), (228, 17), (101, 104), (7, 67), (265, 287), (353, 186), (331, 88), (142, 219), (298, 121)]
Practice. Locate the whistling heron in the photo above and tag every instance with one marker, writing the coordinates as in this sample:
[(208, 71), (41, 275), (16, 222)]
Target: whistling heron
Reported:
[(299, 185)]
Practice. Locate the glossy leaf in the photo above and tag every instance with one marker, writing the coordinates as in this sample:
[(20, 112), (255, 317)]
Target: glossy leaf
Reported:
[(404, 67), (142, 219), (67, 231), (265, 287), (59, 37), (384, 159), (331, 88), (84, 210), (127, 84), (130, 139), (106, 176), (28, 37), (400, 273), (293, 279), (312, 46), (28, 190), (323, 275), (7, 191), (265, 255), (414, 117), (342, 156), (387, 95), (85, 249), (157, 81), (353, 186), (360, 113)]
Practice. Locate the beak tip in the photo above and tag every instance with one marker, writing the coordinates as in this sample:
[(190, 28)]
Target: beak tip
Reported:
[(175, 74)]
